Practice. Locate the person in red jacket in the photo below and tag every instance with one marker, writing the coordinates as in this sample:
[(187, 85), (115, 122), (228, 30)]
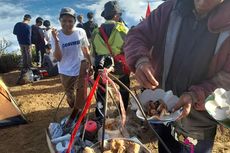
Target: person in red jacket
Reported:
[(184, 46)]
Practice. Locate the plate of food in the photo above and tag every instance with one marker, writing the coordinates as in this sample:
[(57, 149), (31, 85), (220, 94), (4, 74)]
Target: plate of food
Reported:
[(117, 145), (218, 106), (157, 105)]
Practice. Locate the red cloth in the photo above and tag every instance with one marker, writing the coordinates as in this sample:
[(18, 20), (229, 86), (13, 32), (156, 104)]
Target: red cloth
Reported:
[(148, 11)]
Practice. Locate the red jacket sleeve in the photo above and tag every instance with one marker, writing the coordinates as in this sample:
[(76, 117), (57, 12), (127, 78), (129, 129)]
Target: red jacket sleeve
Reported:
[(145, 35)]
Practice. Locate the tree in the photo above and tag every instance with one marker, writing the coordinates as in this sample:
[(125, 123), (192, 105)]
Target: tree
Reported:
[(3, 45)]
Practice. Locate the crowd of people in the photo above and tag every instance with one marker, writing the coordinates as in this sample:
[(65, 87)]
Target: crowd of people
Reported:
[(41, 39), (40, 36), (183, 46)]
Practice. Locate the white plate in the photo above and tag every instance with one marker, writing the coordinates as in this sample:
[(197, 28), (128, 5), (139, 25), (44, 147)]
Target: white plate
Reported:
[(218, 106), (154, 95)]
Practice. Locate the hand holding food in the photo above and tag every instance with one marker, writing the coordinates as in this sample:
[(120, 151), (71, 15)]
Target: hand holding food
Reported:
[(184, 102)]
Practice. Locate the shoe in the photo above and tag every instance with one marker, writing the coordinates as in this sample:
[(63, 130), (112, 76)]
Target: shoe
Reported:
[(20, 82)]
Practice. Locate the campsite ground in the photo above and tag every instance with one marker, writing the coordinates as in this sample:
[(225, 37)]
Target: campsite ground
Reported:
[(39, 100)]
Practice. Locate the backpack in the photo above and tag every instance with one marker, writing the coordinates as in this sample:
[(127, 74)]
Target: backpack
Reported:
[(36, 37), (121, 66)]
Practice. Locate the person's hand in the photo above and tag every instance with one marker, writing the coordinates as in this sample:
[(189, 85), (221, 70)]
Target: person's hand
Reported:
[(144, 75), (221, 129), (55, 34), (184, 102)]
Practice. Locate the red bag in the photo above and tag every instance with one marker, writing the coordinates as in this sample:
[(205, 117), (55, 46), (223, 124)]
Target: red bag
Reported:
[(121, 66), (120, 58)]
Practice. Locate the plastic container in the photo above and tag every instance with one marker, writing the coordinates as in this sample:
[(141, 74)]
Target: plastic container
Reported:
[(91, 127), (91, 130)]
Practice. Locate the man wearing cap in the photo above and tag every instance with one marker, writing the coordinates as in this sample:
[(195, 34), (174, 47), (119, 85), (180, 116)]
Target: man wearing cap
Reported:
[(104, 57), (23, 32), (184, 46), (37, 39), (70, 46), (90, 25), (80, 21)]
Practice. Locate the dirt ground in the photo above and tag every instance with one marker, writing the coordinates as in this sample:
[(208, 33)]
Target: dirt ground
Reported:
[(38, 101)]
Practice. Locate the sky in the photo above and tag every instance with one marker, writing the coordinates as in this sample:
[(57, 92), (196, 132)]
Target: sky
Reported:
[(12, 11)]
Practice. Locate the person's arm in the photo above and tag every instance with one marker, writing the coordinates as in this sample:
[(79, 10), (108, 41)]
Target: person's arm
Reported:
[(41, 33), (57, 50), (147, 34), (219, 19), (15, 31), (141, 39), (85, 49), (28, 34)]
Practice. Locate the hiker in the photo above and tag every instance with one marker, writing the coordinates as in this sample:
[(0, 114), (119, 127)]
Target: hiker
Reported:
[(47, 32), (80, 21), (70, 48), (49, 63), (104, 57), (38, 40), (23, 32), (182, 46), (90, 25)]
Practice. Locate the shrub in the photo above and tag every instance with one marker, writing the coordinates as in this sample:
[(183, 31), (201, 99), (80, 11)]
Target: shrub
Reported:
[(9, 62), (33, 52)]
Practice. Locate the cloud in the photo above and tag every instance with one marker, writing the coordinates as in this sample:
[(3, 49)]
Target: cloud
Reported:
[(10, 14), (12, 11), (133, 9), (96, 8), (8, 10)]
